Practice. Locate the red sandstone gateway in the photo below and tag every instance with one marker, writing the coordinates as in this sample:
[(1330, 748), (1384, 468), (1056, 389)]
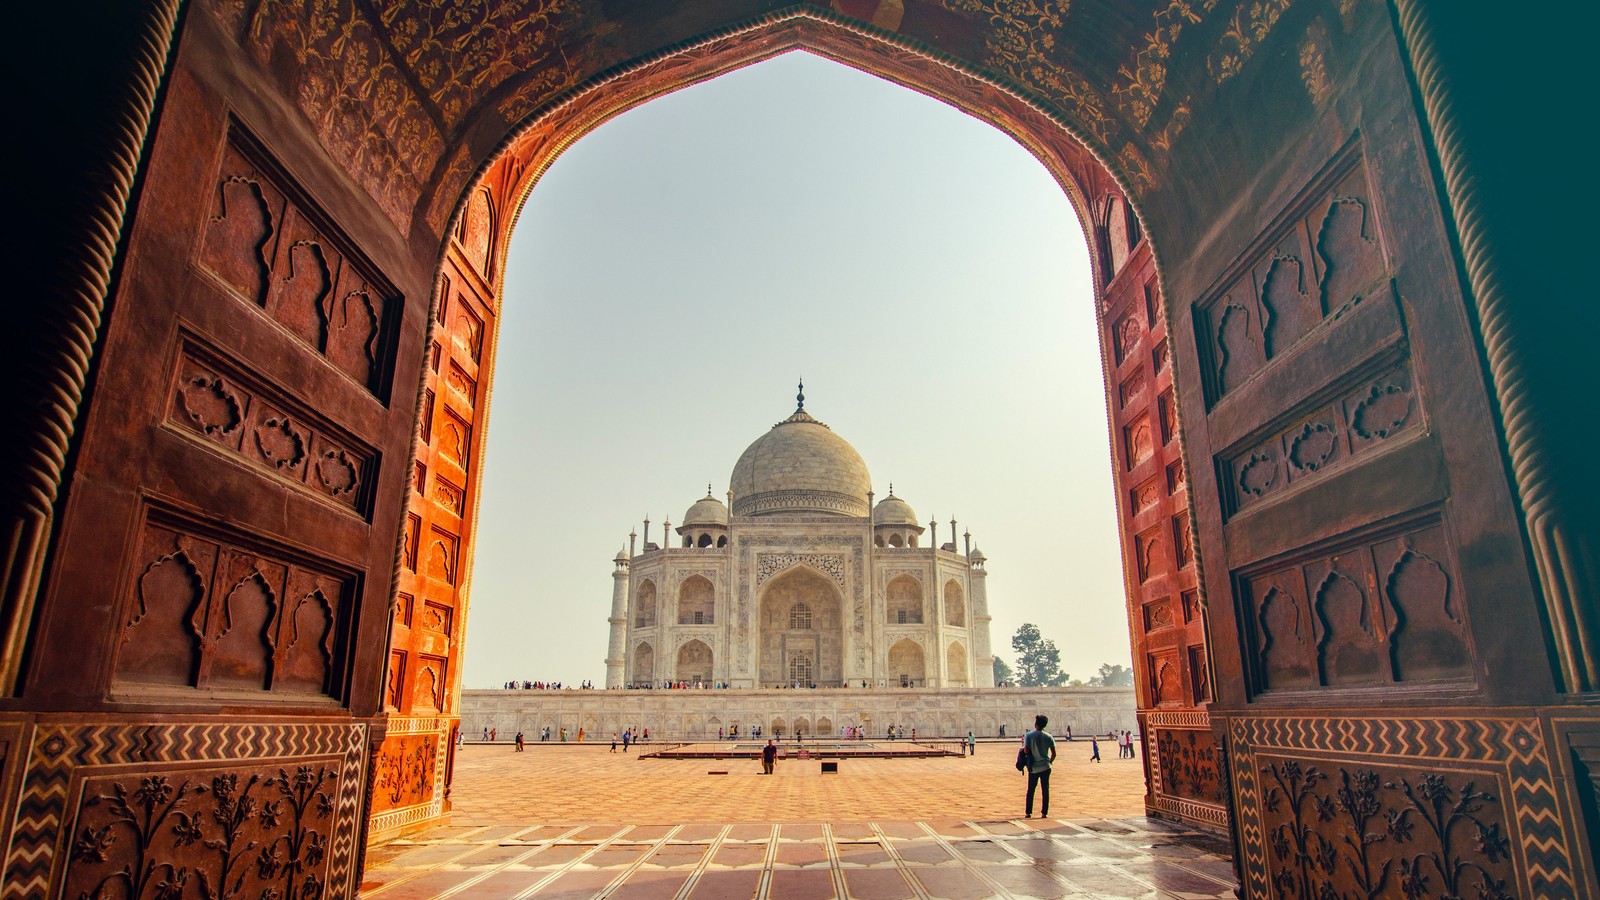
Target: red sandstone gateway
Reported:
[(255, 335)]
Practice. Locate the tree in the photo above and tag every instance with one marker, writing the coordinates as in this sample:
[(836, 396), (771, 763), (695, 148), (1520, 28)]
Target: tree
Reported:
[(1038, 660), (1002, 672), (1113, 676)]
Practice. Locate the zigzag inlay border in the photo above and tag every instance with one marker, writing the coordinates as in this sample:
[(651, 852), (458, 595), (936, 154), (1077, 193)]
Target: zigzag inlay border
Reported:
[(1514, 747), (59, 752)]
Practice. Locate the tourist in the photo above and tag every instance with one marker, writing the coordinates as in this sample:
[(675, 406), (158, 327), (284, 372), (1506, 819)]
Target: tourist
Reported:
[(1094, 749), (486, 735), (720, 735), (1041, 754), (647, 734), (769, 757), (972, 744), (613, 742), (580, 735), (563, 735), (519, 742), (493, 733), (627, 738)]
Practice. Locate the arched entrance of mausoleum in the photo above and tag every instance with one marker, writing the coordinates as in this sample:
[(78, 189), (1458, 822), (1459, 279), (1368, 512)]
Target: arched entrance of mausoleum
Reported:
[(801, 637), (1340, 352)]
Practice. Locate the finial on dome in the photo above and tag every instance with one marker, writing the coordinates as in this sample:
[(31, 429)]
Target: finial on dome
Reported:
[(800, 397), (708, 491), (891, 489)]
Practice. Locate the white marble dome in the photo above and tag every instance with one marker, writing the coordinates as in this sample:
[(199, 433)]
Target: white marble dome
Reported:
[(800, 468), (706, 511), (891, 510)]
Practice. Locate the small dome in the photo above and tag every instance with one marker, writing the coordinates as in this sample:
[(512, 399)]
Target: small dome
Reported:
[(894, 511), (622, 556), (800, 467), (976, 555), (706, 511)]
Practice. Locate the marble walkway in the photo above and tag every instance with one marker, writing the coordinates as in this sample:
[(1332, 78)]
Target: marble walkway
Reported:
[(571, 822)]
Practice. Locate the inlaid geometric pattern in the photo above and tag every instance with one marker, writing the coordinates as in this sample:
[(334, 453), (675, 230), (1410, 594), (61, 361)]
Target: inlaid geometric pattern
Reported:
[(1102, 858), (1512, 751)]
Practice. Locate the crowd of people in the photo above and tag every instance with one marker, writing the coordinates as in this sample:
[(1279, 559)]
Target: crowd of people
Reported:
[(679, 686), (585, 685)]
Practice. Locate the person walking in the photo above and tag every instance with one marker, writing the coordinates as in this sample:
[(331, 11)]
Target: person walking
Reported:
[(613, 742), (627, 738), (486, 735), (1094, 749), (769, 757), (519, 742), (972, 744), (1041, 755)]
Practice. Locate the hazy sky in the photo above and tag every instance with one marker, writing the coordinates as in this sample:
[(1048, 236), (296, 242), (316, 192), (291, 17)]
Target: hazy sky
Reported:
[(678, 269)]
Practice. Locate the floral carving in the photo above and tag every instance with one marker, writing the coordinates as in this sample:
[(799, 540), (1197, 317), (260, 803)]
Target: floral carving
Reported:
[(1364, 835), (1313, 445), (1382, 412), (280, 442), (211, 405), (1188, 763), (337, 473), (1258, 474), (258, 834)]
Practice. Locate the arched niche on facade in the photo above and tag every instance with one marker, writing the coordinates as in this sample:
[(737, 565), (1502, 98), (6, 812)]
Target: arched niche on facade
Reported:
[(696, 601), (644, 664), (801, 618), (907, 665), (955, 604), (904, 595), (694, 662), (644, 604), (956, 666)]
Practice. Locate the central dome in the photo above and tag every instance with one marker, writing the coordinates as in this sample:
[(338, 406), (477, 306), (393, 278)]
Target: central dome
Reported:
[(800, 467)]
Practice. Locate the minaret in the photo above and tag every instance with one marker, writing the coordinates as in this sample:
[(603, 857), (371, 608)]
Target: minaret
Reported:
[(615, 658), (977, 578)]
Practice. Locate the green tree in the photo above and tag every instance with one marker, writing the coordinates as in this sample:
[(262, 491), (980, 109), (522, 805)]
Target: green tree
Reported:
[(1038, 660), (1002, 672), (1113, 676)]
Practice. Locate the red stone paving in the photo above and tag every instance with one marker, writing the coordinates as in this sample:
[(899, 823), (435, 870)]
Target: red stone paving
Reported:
[(922, 829)]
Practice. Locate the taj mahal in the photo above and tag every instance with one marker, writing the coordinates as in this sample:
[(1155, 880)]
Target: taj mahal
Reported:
[(806, 583), (801, 604)]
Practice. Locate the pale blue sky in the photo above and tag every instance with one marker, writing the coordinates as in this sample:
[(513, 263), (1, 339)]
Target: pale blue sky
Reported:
[(676, 270)]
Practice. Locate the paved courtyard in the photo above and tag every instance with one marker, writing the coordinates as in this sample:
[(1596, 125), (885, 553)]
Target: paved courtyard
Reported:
[(573, 821)]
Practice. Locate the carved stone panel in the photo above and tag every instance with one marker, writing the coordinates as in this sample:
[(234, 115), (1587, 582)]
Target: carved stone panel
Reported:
[(189, 809), (273, 248), (257, 422), (404, 771), (1370, 830), (1324, 257), (217, 612), (1326, 438), (1373, 612), (1187, 759)]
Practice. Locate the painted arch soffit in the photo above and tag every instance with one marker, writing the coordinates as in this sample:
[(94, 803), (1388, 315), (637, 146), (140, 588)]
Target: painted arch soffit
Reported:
[(974, 66)]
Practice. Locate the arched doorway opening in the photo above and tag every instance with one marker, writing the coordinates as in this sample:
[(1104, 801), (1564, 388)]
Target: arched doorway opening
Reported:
[(1135, 340)]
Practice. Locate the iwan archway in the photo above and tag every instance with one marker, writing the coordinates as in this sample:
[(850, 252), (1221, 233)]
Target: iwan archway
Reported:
[(1381, 577)]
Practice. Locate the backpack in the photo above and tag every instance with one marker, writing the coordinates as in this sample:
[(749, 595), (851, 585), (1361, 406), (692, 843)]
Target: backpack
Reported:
[(1023, 759)]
